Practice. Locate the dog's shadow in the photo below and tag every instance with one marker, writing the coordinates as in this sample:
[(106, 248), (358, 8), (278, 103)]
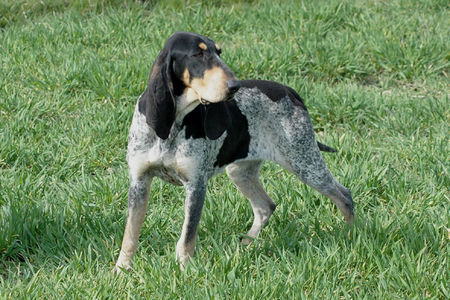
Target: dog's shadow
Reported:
[(297, 237), (33, 233), (364, 236)]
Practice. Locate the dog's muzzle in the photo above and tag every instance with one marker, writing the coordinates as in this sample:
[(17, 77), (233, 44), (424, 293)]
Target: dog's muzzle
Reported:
[(233, 86)]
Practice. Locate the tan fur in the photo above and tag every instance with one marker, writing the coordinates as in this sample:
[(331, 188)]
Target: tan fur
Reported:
[(131, 235), (185, 249), (203, 46), (186, 78), (213, 86), (187, 102), (155, 71)]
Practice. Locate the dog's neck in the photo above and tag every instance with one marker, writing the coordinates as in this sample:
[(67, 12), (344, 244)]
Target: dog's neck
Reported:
[(186, 103)]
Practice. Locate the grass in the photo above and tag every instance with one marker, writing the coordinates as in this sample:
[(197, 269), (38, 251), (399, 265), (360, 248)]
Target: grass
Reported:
[(374, 75)]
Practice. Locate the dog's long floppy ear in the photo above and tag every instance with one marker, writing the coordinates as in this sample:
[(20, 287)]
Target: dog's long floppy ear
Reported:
[(158, 101), (217, 120)]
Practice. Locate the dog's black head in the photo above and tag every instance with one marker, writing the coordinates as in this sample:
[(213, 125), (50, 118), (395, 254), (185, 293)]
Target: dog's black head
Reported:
[(189, 65)]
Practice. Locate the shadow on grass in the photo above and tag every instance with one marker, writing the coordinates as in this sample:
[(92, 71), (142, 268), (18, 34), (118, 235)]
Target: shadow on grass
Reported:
[(410, 233), (49, 235)]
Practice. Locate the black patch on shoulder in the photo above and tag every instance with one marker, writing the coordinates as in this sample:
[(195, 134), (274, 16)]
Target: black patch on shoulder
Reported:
[(237, 142), (211, 121), (275, 91), (218, 119), (193, 122)]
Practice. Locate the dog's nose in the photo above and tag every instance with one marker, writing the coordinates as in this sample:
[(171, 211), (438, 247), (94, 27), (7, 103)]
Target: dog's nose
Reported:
[(233, 85)]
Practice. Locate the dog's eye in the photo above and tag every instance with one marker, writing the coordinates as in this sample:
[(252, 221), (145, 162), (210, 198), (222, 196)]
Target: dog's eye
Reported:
[(219, 52), (199, 54)]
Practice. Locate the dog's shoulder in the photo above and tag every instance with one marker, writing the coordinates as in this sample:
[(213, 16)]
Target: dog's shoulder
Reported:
[(211, 121), (275, 91)]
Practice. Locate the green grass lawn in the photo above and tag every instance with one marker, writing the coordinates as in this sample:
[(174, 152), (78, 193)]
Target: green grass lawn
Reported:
[(374, 75)]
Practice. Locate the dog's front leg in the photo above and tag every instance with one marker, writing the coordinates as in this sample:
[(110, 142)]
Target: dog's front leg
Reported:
[(137, 207), (195, 197)]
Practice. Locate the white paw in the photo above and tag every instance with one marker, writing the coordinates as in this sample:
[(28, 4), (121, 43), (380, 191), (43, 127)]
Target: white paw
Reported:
[(122, 265), (247, 241)]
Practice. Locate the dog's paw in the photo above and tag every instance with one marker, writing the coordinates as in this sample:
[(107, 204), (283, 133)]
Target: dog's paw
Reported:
[(119, 270), (183, 253), (349, 219), (246, 241), (182, 265), (182, 261), (121, 266)]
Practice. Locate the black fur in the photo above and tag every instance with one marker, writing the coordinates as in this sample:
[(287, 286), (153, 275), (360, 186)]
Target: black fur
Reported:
[(217, 119), (237, 141), (325, 148), (158, 101), (211, 121), (194, 123), (274, 91)]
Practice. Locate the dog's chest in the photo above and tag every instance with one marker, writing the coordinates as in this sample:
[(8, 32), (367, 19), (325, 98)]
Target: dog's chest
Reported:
[(176, 160)]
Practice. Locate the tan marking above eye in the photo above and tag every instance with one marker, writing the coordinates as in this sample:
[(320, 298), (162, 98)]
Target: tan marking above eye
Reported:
[(202, 46), (217, 47)]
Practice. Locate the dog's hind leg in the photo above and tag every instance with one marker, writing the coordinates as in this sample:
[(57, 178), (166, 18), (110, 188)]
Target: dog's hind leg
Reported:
[(195, 197), (137, 207), (245, 176), (309, 166)]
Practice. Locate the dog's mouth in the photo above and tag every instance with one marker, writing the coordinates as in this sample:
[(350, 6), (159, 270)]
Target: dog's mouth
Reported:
[(204, 101), (228, 97)]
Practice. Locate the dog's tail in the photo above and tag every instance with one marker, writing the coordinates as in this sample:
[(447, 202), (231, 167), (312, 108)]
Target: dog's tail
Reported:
[(325, 148)]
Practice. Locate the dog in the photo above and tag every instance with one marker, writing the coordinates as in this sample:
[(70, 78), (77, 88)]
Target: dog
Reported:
[(195, 119)]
